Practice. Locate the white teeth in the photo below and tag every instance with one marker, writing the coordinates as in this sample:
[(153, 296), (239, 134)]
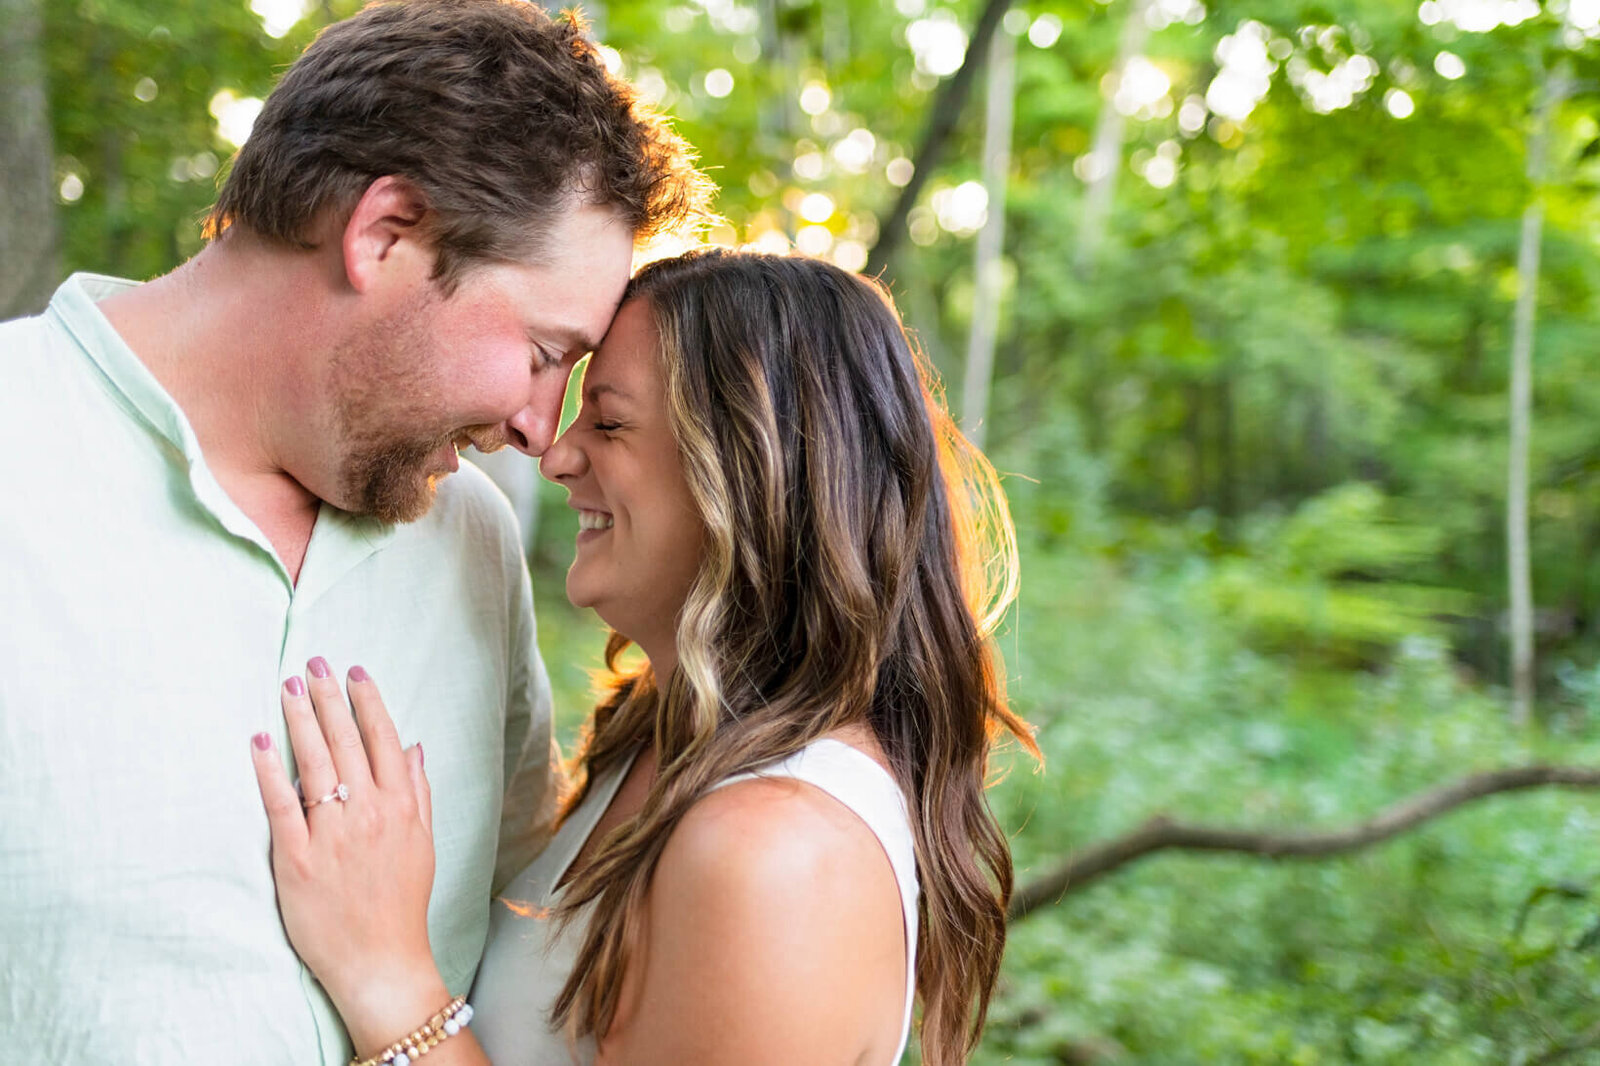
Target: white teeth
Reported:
[(594, 520)]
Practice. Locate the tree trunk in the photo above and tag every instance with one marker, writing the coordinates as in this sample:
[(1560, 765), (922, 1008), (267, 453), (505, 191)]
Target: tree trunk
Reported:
[(28, 242), (1517, 555), (1194, 399), (778, 110), (1518, 569), (946, 109), (1227, 460), (1105, 157), (1316, 442), (920, 303), (991, 238), (108, 169), (594, 13)]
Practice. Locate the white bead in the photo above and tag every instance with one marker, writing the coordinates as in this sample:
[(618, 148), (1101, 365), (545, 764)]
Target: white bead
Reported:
[(451, 1027), (464, 1015), (401, 1059)]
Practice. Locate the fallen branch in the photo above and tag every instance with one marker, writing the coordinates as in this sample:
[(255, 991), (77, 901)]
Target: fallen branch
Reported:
[(946, 110), (1583, 1042), (1162, 833)]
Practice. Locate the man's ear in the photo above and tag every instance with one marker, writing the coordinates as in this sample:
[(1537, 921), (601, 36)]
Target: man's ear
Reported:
[(383, 231)]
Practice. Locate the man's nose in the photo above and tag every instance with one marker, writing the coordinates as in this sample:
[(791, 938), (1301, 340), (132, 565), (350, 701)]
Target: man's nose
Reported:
[(531, 429)]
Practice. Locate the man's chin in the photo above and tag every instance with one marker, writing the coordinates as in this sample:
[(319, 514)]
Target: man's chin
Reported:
[(397, 482), (395, 500), (399, 507)]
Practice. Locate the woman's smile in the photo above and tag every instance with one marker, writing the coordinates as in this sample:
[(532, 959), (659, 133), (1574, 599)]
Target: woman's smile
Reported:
[(593, 522)]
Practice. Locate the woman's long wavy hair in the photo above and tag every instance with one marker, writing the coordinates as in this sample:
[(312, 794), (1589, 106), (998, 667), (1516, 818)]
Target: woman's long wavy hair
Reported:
[(858, 554)]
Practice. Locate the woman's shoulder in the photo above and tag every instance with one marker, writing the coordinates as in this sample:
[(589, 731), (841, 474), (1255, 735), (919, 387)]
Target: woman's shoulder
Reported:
[(766, 830), (818, 815), (783, 867), (775, 911)]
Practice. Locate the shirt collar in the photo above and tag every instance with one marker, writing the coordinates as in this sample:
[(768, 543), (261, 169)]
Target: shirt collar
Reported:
[(347, 538), (75, 306)]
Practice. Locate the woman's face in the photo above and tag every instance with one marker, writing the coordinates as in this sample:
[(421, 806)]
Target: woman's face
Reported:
[(639, 534)]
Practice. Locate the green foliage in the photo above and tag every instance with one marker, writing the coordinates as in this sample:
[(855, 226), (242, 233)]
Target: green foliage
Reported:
[(1330, 579), (1436, 948), (1255, 445), (131, 83)]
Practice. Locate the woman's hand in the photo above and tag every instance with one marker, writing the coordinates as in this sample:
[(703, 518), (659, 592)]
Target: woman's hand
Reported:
[(354, 874)]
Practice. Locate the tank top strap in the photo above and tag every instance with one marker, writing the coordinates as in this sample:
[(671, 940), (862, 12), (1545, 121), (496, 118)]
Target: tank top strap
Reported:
[(857, 780)]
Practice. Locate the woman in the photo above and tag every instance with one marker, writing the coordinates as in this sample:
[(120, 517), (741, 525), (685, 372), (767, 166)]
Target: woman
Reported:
[(781, 831)]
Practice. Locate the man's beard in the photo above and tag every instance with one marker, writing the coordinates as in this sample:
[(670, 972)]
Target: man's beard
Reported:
[(386, 473), (389, 480)]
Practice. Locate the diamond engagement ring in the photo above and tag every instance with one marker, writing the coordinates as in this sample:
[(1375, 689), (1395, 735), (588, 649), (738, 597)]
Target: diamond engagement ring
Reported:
[(341, 793)]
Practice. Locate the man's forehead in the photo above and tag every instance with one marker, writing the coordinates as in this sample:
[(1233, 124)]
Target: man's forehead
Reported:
[(575, 320), (587, 263)]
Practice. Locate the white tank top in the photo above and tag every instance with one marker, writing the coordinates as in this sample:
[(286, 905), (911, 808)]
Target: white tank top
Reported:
[(525, 966)]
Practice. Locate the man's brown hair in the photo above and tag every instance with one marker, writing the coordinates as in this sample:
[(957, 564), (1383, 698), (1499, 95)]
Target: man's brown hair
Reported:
[(500, 116)]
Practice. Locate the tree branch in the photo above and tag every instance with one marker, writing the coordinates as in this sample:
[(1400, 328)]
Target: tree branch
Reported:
[(1162, 833), (1582, 1042), (947, 108)]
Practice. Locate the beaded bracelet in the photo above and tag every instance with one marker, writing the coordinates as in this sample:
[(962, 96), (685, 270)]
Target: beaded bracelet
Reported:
[(455, 1016)]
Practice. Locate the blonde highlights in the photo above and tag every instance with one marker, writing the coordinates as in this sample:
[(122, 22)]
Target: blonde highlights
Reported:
[(858, 553)]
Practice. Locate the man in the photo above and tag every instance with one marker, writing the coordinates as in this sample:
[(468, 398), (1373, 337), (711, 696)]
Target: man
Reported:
[(245, 469)]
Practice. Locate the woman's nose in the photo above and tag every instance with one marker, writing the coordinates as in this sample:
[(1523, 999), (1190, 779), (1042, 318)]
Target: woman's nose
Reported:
[(564, 458)]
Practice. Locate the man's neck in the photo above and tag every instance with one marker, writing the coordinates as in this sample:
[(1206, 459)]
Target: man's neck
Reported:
[(227, 335)]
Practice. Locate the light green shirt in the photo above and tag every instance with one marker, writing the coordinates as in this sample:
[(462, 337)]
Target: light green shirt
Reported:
[(145, 626)]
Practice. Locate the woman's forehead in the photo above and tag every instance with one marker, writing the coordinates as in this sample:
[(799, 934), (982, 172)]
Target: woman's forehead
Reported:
[(627, 364)]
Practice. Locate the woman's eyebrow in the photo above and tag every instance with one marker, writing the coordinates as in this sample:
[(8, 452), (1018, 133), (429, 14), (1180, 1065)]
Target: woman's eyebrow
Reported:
[(592, 393)]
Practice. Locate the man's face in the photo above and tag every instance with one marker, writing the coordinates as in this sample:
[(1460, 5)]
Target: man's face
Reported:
[(486, 366)]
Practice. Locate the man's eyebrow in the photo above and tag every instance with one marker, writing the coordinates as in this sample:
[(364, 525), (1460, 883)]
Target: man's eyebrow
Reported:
[(579, 343), (573, 341)]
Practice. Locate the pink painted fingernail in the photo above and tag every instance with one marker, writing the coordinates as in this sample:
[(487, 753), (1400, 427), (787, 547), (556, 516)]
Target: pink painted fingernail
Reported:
[(358, 673), (422, 756), (319, 667), (261, 741), (295, 686)]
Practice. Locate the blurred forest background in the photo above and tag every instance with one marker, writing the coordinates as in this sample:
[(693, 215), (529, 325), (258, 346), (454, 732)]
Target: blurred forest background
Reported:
[(1255, 277)]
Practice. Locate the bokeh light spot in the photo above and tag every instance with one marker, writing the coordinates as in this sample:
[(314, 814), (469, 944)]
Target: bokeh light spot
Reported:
[(815, 98), (1045, 31), (813, 240)]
